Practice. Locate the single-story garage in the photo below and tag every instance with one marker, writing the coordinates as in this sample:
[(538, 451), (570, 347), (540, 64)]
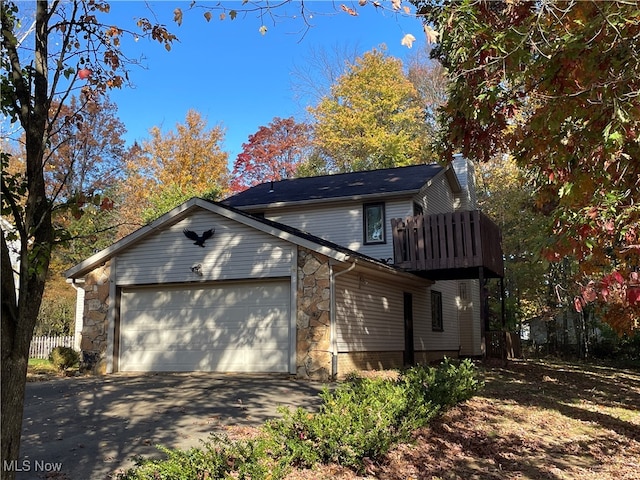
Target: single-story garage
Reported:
[(231, 326), (207, 287)]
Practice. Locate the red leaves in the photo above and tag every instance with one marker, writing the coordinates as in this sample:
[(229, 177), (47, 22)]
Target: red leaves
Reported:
[(621, 296), (84, 73), (633, 295), (272, 153)]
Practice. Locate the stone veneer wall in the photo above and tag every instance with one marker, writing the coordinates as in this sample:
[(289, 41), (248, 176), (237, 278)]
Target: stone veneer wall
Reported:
[(313, 322), (95, 320)]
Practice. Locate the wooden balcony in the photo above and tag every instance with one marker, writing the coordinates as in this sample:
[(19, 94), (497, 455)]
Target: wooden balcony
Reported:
[(449, 246)]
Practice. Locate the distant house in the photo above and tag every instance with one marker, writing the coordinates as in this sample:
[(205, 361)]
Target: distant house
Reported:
[(314, 277)]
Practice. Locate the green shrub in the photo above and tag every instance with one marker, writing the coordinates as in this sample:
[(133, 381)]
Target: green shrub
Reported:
[(360, 419), (453, 382), (364, 418), (217, 458), (64, 357)]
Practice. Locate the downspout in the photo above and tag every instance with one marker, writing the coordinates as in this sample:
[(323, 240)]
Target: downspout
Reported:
[(333, 337), (78, 314)]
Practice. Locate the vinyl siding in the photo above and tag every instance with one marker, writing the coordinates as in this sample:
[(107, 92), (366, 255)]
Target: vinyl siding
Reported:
[(474, 289), (468, 336), (342, 224), (423, 335), (465, 171), (369, 314), (438, 197), (234, 252)]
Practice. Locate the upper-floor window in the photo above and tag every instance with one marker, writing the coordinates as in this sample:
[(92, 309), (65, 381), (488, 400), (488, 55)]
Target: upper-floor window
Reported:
[(374, 223)]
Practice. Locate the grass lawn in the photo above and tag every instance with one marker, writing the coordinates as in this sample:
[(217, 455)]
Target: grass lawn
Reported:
[(533, 420), (41, 369)]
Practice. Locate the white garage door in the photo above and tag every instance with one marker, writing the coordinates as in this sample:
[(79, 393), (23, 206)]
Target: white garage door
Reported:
[(240, 327)]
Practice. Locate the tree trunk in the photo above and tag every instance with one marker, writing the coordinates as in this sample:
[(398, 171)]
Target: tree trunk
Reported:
[(19, 314), (14, 373), (34, 228)]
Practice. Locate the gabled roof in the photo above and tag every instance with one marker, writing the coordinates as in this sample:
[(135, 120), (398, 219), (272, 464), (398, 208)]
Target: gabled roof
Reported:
[(355, 185), (285, 232)]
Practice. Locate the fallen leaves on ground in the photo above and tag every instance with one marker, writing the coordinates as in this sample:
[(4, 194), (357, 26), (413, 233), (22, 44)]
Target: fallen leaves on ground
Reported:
[(533, 420)]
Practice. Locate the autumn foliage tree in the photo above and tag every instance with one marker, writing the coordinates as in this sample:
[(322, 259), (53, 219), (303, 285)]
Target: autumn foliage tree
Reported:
[(41, 64), (373, 117), (172, 167), (505, 194), (89, 147), (556, 85), (272, 153)]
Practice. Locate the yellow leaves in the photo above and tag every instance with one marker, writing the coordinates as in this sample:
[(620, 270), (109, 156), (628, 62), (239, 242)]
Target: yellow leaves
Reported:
[(262, 30), (373, 119), (407, 40), (396, 4), (207, 16)]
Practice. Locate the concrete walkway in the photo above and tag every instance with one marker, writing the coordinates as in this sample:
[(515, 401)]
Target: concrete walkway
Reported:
[(89, 427)]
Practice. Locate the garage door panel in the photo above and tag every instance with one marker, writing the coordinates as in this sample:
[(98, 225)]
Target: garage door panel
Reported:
[(192, 340), (234, 327), (189, 318), (207, 298), (224, 360)]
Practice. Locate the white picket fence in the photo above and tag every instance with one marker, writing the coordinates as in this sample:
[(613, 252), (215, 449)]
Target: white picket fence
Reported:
[(41, 346)]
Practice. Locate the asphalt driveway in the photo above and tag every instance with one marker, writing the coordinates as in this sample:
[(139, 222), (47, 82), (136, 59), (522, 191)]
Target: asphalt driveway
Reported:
[(89, 427)]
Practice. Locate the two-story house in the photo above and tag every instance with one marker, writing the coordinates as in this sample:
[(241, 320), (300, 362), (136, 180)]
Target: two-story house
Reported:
[(314, 276)]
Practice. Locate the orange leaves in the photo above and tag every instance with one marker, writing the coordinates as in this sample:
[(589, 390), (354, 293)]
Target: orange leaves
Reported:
[(188, 161), (349, 10)]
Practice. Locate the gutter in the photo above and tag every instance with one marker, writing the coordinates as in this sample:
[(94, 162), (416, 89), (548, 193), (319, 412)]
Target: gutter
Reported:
[(333, 339), (78, 322)]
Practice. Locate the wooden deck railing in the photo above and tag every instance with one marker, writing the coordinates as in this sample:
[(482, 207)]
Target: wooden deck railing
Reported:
[(451, 244)]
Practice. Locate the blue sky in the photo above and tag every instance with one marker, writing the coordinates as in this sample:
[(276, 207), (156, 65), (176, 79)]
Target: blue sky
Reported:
[(233, 75)]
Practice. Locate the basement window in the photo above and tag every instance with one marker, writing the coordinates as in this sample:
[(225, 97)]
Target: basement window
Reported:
[(374, 223)]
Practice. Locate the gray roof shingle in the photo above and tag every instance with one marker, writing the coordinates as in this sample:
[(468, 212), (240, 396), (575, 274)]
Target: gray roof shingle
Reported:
[(344, 185)]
